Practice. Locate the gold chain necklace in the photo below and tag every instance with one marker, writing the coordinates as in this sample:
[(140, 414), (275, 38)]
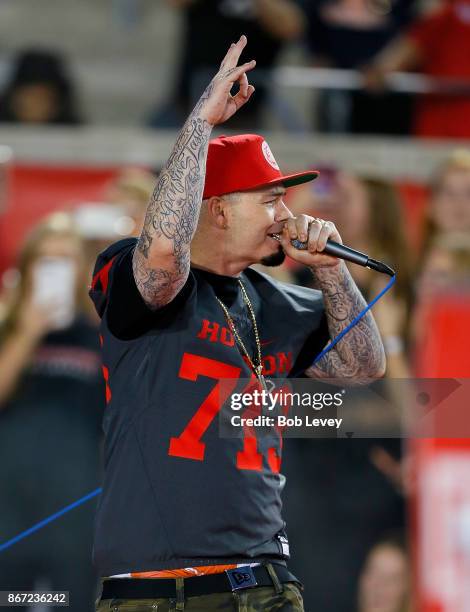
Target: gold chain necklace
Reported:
[(257, 369)]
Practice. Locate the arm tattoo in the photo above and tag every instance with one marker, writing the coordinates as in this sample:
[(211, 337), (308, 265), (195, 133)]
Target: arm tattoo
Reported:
[(172, 214), (360, 354)]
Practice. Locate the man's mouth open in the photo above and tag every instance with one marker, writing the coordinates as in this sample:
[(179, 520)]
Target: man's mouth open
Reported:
[(275, 236)]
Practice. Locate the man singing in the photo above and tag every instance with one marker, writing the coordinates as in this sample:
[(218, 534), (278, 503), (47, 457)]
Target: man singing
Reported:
[(188, 520)]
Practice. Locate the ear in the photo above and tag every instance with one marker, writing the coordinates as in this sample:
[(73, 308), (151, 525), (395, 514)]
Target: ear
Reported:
[(217, 211)]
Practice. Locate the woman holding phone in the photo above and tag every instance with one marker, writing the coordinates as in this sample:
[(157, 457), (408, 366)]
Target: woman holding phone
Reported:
[(51, 401)]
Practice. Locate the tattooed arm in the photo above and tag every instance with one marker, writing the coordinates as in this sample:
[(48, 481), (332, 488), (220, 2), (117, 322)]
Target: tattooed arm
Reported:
[(359, 355), (162, 257)]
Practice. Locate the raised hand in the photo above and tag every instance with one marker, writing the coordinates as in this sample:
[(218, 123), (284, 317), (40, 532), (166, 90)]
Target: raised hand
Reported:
[(162, 258), (217, 104)]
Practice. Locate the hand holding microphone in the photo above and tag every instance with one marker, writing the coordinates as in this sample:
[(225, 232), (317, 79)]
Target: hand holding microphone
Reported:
[(317, 243)]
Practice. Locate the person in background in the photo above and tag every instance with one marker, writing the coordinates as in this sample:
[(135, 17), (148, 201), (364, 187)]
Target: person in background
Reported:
[(132, 189), (99, 224), (449, 204), (446, 267), (51, 402), (207, 27), (347, 34), (441, 281), (368, 213), (438, 46), (444, 272), (443, 265), (384, 584), (351, 498), (120, 214), (40, 91)]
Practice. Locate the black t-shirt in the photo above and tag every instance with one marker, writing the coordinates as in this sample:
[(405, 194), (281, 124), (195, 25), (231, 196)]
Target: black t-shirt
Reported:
[(348, 46), (175, 493), (211, 25)]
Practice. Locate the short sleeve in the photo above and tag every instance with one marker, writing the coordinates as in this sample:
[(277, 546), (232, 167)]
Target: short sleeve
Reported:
[(103, 272), (121, 304)]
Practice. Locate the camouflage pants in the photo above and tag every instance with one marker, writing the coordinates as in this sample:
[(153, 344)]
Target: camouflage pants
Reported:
[(256, 599)]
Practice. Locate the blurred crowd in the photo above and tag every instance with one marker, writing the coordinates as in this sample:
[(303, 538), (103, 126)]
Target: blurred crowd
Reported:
[(345, 500), (360, 488), (376, 38)]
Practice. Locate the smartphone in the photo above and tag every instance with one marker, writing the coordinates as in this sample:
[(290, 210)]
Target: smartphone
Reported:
[(54, 286)]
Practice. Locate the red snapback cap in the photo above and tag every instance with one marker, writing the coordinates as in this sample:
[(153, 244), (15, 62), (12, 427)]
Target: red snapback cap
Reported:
[(243, 163)]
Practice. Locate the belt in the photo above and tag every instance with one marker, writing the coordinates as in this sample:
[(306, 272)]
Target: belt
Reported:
[(147, 588)]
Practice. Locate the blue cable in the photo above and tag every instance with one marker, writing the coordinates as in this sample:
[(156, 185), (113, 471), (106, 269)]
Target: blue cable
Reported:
[(49, 519), (96, 492)]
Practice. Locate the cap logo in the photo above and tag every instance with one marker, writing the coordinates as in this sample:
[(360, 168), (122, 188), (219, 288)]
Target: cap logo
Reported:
[(268, 155)]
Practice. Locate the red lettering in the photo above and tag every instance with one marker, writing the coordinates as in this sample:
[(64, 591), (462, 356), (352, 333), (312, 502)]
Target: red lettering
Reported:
[(188, 444), (269, 365), (211, 329), (285, 362), (226, 337), (249, 458)]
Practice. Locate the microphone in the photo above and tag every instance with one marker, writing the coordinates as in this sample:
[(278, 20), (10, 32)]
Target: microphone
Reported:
[(344, 252)]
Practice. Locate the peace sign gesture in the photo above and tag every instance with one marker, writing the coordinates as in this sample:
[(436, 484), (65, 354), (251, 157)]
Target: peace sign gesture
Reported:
[(217, 104)]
